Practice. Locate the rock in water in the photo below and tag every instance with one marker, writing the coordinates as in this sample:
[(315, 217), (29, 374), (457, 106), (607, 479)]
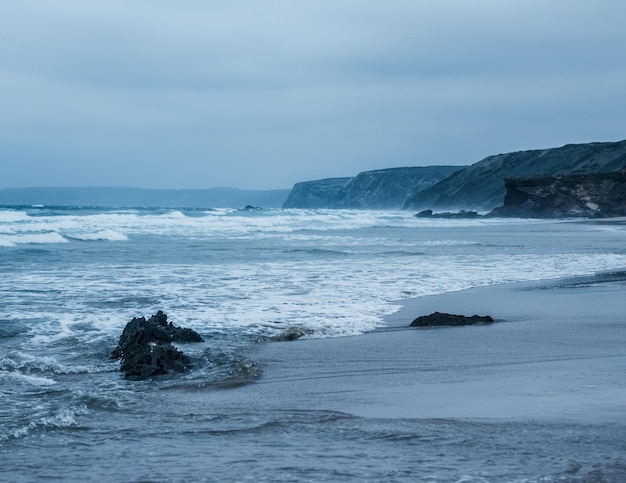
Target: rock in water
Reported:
[(146, 350), (292, 333), (438, 319)]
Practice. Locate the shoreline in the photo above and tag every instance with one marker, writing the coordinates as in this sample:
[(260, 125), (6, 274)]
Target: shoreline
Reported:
[(555, 353), (483, 297)]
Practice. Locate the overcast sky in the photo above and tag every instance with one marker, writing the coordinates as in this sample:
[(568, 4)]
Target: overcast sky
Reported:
[(266, 93)]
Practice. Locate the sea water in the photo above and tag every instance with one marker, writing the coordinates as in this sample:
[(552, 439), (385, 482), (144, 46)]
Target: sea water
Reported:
[(72, 277)]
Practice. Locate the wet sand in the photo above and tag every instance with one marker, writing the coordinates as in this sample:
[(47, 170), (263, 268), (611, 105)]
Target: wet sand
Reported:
[(557, 352)]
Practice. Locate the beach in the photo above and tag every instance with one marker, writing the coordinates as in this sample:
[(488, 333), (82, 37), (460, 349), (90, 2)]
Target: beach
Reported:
[(555, 352), (539, 395)]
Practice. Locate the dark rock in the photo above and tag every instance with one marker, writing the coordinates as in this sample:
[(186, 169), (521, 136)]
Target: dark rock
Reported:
[(447, 215), (438, 319), (583, 195), (146, 350), (481, 186), (292, 333)]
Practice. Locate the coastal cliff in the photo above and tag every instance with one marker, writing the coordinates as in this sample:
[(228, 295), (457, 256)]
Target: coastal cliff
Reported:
[(321, 193), (481, 186), (582, 195), (383, 189)]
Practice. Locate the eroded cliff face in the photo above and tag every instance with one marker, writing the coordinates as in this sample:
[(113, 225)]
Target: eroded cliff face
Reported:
[(388, 189), (481, 185), (383, 189), (582, 195), (321, 193)]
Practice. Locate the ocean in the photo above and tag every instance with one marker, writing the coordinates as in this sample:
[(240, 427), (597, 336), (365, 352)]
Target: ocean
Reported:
[(72, 277)]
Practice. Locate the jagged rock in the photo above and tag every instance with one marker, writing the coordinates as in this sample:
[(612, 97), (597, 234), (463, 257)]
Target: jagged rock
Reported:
[(589, 195), (448, 215), (388, 189), (146, 350), (438, 319), (481, 186), (321, 193), (292, 333), (382, 189)]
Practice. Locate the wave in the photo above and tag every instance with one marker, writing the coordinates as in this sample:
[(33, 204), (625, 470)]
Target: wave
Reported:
[(24, 366), (103, 235), (11, 328), (53, 226), (316, 251), (29, 379), (60, 419), (31, 239), (449, 243), (12, 216)]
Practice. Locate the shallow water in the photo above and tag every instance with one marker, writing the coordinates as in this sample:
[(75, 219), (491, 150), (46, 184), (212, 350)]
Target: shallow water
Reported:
[(72, 278)]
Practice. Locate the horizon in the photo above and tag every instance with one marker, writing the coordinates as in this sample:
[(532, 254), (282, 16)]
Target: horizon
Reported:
[(43, 187), (263, 96), (136, 188)]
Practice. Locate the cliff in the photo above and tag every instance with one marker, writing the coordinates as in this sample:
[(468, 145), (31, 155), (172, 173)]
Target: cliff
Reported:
[(481, 186), (321, 193), (580, 195), (383, 189), (388, 189)]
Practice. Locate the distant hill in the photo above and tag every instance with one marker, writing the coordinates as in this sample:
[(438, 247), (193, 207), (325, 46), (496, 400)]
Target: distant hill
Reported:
[(144, 198), (481, 185), (381, 189)]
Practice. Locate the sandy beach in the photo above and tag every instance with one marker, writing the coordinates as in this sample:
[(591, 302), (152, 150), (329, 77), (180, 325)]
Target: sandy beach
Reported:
[(555, 353)]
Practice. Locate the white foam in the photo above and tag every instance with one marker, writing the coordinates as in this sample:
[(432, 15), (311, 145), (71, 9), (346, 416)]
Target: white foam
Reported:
[(109, 235), (11, 216), (334, 280), (23, 365), (224, 223), (64, 418), (449, 243), (31, 239), (116, 226), (6, 242), (332, 299), (32, 380)]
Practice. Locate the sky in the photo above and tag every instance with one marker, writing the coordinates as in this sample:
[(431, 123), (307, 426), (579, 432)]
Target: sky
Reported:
[(263, 94)]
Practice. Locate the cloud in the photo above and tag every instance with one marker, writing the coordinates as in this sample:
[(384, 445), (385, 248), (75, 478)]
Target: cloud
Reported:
[(264, 94)]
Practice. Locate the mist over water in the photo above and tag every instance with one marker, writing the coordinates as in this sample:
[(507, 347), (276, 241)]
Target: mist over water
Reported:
[(73, 277)]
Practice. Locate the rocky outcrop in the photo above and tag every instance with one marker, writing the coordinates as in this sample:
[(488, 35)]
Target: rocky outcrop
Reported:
[(322, 193), (388, 189), (145, 347), (438, 319), (292, 333), (481, 186), (448, 215), (583, 195), (382, 189)]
